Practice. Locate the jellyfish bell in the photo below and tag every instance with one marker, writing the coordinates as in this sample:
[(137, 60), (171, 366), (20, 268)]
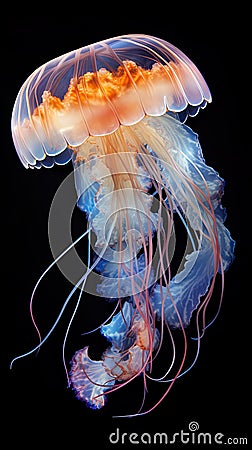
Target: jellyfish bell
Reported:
[(95, 89), (117, 109)]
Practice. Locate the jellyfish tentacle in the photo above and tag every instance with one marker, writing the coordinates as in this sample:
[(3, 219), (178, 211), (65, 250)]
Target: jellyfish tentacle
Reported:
[(82, 280), (74, 313), (37, 347), (45, 272), (68, 329), (103, 323)]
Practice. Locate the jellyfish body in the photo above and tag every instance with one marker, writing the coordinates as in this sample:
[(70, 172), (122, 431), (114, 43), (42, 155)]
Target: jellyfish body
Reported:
[(117, 109)]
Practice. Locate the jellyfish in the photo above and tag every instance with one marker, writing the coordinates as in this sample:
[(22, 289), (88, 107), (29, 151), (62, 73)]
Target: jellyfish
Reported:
[(117, 109)]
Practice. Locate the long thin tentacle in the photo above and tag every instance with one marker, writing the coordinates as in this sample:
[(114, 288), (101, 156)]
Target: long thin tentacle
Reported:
[(45, 272), (81, 280)]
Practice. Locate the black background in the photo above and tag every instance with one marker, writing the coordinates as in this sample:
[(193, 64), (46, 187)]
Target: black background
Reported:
[(37, 406)]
